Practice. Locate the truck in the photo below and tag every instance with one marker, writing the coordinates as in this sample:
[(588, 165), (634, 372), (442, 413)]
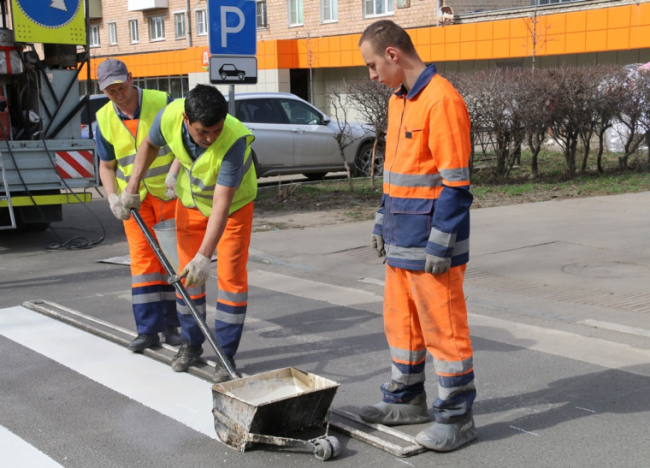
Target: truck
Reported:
[(44, 161)]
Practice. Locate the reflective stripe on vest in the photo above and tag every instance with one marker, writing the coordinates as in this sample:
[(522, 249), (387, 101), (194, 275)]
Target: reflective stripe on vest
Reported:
[(125, 145), (195, 185)]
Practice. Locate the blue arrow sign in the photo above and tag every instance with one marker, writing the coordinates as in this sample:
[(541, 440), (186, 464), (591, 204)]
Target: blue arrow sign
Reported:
[(50, 13), (232, 27)]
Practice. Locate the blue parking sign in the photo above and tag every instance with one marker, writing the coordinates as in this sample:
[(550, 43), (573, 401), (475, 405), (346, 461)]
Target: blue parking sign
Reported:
[(232, 27)]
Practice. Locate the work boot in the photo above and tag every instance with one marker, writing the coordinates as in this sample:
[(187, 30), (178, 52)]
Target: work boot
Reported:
[(447, 437), (394, 414), (172, 337), (186, 356), (144, 341), (221, 373)]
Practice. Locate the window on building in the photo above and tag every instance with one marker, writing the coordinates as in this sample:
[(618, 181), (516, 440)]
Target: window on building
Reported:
[(133, 29), (295, 13), (329, 10), (179, 25), (261, 14), (94, 35), (201, 22), (112, 33), (378, 7), (156, 28)]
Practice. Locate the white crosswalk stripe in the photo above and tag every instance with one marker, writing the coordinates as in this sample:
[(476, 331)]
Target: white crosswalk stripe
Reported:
[(140, 378), (14, 451)]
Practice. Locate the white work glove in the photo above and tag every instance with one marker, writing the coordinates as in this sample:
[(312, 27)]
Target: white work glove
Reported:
[(197, 271), (125, 202), (437, 265), (377, 244), (170, 186), (118, 210)]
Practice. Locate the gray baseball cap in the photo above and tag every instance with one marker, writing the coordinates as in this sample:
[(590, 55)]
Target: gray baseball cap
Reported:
[(111, 71)]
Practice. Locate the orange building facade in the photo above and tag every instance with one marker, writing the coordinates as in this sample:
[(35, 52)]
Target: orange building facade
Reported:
[(310, 57)]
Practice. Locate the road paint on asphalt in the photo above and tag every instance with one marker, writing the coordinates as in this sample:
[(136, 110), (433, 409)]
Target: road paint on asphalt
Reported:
[(178, 395), (337, 295), (616, 327), (570, 345), (560, 343), (14, 451)]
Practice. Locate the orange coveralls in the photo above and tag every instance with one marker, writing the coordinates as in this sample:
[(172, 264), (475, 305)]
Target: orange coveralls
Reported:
[(425, 209)]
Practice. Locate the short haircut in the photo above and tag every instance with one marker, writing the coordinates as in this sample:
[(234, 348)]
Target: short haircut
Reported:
[(383, 34), (205, 104)]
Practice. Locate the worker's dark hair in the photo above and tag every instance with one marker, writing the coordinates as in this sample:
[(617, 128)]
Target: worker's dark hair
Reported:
[(205, 104), (384, 33)]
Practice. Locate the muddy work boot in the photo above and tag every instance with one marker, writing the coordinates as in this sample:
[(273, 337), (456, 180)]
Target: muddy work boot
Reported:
[(186, 356), (221, 373), (172, 337), (395, 414), (447, 437), (144, 341)]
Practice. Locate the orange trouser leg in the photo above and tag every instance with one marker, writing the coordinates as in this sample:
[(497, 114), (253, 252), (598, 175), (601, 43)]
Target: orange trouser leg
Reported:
[(154, 306), (190, 229), (232, 257), (424, 312), (232, 275)]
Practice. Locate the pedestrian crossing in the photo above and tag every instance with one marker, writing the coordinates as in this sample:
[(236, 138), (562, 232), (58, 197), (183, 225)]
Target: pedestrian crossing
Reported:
[(135, 378), (187, 400)]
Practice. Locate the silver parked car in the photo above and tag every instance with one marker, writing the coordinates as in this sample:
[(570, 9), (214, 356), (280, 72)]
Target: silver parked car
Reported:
[(294, 137)]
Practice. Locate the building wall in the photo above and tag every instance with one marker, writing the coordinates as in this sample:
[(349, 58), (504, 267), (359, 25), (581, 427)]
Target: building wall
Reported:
[(599, 31)]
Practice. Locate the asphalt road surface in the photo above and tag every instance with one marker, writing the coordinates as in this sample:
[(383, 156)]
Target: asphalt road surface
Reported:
[(559, 314)]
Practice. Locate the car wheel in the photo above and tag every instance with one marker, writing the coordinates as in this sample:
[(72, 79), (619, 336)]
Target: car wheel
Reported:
[(316, 175), (224, 76), (241, 76), (363, 161)]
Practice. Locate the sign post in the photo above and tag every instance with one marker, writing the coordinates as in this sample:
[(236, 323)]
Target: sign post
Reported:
[(232, 39)]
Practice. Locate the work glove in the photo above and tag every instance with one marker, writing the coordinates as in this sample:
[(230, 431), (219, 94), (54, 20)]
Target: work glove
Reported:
[(437, 265), (377, 244), (197, 271), (170, 186), (118, 210), (126, 201)]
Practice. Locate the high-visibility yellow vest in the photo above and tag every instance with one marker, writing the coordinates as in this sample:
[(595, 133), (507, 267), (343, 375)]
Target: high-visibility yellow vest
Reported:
[(116, 132), (196, 183)]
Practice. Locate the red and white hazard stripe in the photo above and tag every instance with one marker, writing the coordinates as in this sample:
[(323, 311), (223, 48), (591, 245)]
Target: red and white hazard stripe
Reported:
[(75, 164)]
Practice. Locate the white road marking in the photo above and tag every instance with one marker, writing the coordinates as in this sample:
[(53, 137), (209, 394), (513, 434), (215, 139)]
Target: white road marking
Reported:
[(523, 430), (585, 409), (337, 295), (570, 345), (560, 343), (178, 395), (14, 451), (616, 327)]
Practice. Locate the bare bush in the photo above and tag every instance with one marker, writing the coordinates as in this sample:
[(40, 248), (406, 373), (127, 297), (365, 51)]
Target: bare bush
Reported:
[(370, 99)]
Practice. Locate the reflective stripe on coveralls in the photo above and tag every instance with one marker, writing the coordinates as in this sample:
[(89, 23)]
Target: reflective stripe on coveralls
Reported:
[(232, 275), (154, 300), (424, 312), (126, 136)]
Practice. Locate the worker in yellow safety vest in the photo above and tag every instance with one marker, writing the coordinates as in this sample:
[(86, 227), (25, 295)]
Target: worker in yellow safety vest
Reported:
[(122, 125), (216, 188)]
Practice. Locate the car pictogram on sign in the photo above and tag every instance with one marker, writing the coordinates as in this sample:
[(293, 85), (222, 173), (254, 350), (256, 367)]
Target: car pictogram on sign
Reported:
[(228, 70)]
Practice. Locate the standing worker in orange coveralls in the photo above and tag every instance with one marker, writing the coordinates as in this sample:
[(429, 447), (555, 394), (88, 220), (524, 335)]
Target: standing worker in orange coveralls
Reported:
[(422, 227)]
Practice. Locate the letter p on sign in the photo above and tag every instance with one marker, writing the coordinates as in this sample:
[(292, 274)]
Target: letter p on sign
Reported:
[(232, 27)]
